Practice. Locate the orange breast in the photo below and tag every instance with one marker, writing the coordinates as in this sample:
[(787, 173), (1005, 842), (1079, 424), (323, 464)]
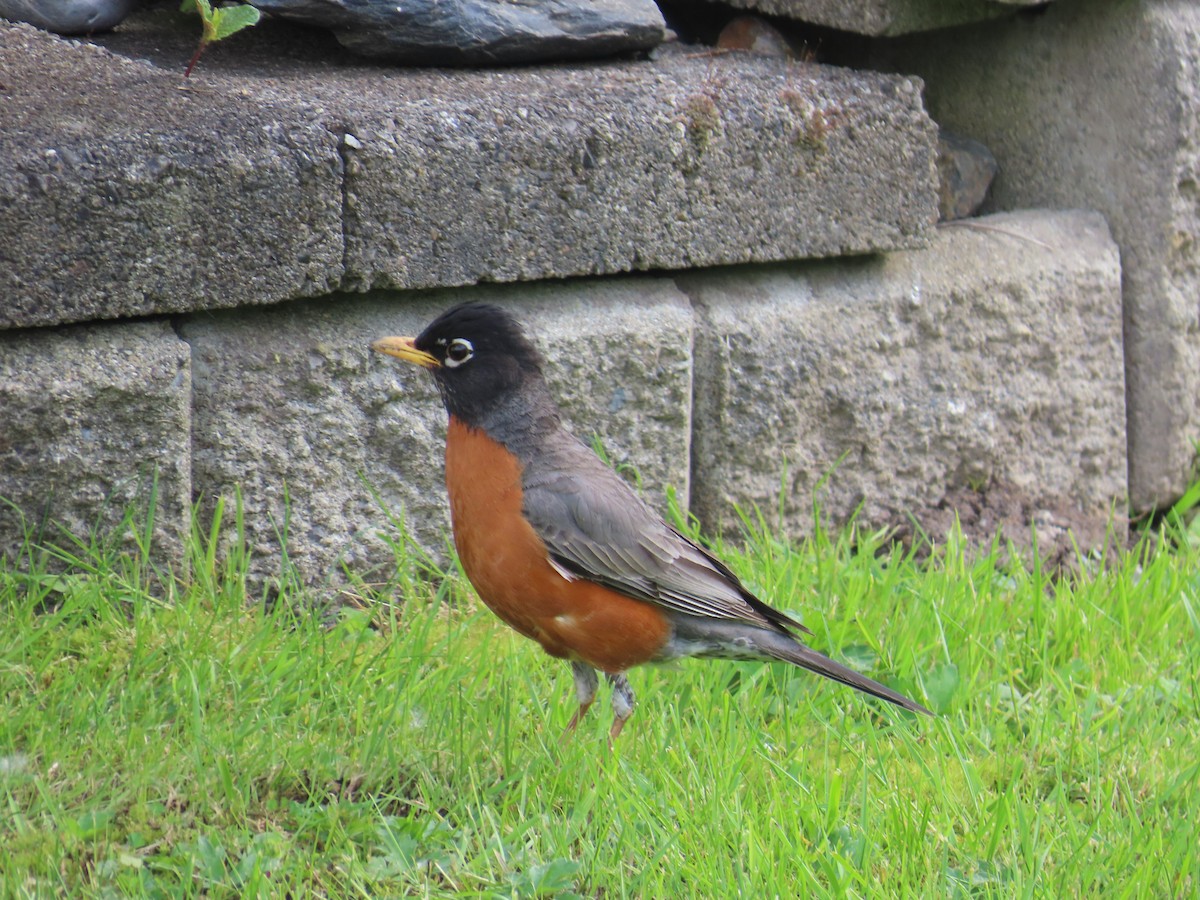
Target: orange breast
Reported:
[(510, 568)]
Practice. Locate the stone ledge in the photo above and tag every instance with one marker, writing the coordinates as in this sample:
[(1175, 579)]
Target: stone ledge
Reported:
[(287, 169), (121, 195), (990, 362), (673, 164)]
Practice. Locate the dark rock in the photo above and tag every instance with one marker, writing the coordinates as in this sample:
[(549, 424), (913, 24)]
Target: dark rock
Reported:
[(965, 172), (468, 32), (68, 16), (755, 35)]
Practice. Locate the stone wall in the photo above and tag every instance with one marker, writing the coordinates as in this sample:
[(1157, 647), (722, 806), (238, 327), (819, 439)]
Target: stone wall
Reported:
[(731, 261), (1097, 104)]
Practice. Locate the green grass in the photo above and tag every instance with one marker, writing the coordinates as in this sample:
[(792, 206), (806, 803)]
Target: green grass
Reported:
[(199, 746)]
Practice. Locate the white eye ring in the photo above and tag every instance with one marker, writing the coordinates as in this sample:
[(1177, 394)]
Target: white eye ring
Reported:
[(458, 351)]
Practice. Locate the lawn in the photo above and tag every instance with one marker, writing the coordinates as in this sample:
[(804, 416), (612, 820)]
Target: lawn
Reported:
[(194, 744)]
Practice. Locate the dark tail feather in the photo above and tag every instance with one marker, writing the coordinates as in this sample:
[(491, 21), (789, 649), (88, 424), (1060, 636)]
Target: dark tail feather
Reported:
[(733, 639), (806, 658)]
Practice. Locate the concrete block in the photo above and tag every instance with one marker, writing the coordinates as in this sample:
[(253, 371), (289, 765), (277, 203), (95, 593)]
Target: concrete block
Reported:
[(90, 415), (123, 195), (318, 432), (680, 162), (885, 18), (989, 363), (1097, 104), (185, 200)]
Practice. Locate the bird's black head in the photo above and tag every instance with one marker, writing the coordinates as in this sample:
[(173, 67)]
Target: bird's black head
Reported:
[(478, 355)]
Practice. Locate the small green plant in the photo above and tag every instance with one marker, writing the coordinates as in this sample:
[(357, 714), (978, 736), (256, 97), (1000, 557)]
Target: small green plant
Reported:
[(702, 117), (1183, 517), (813, 123), (218, 23)]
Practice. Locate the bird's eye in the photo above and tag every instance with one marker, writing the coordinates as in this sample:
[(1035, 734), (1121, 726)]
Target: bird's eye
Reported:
[(458, 351)]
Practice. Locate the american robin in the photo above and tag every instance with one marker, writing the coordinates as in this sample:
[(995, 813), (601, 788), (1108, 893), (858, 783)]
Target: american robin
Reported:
[(561, 548)]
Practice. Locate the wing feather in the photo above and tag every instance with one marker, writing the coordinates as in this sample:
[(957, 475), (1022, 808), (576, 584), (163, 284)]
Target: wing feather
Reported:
[(595, 527)]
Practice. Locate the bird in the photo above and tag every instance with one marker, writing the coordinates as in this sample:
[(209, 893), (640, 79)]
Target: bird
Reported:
[(561, 548)]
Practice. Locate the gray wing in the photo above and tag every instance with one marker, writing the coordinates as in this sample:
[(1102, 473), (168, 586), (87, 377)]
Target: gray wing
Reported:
[(595, 527)]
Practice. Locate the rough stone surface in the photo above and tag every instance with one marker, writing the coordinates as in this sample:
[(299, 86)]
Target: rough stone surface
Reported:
[(990, 362), (883, 18), (68, 16), (318, 432), (682, 163), (286, 168), (122, 195), (91, 414), (1097, 104), (480, 32)]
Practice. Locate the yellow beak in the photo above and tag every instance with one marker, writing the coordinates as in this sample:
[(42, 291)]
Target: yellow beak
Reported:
[(403, 348)]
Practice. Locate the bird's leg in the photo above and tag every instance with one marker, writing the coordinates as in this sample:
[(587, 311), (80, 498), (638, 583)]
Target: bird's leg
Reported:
[(585, 689), (622, 703)]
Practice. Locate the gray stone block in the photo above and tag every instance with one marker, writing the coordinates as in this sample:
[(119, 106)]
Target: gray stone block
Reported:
[(122, 195), (677, 163), (323, 436), (885, 18), (990, 362), (91, 416), (1094, 104)]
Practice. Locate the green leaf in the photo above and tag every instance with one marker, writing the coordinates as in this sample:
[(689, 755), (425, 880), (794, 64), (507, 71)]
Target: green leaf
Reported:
[(233, 19), (203, 7), (397, 843), (1192, 535), (552, 878), (1190, 500), (941, 684), (850, 844), (208, 860), (92, 823), (860, 657)]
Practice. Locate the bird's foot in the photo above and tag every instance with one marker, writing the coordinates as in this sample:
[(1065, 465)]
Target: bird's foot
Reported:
[(622, 703), (575, 720)]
